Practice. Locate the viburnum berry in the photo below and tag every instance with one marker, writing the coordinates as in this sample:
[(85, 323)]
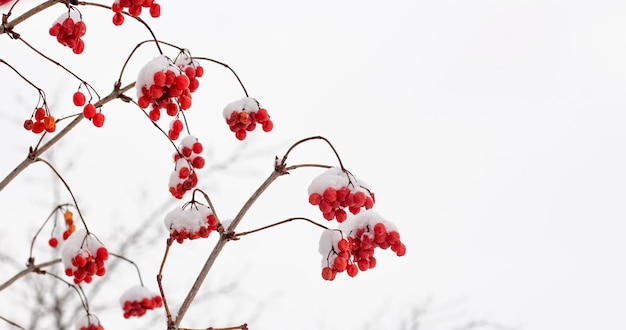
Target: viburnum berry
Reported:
[(79, 99), (335, 189), (351, 247), (88, 322), (137, 300), (193, 222), (83, 257), (243, 115), (166, 84), (53, 242), (98, 119), (68, 29), (135, 7), (68, 216)]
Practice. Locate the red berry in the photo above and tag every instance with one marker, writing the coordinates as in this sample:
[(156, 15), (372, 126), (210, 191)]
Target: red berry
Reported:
[(241, 134), (40, 113), (155, 10), (118, 19), (98, 119), (328, 274), (352, 270), (268, 126), (330, 194), (79, 99), (28, 124), (53, 242), (89, 111), (315, 198)]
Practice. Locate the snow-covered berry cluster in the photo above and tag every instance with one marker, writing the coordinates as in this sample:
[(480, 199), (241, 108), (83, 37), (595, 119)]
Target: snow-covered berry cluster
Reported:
[(187, 161), (243, 115), (135, 8), (88, 322), (83, 256), (43, 121), (195, 221), (334, 190), (70, 228), (137, 300), (69, 28), (89, 110), (351, 247), (168, 85)]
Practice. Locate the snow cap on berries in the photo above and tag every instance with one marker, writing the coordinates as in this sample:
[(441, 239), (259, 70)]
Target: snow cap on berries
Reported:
[(189, 220), (146, 74), (88, 322), (336, 178), (79, 243), (366, 219), (73, 14), (247, 104)]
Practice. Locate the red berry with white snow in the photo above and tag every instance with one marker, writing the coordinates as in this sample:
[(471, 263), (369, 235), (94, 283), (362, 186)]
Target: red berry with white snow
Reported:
[(335, 190), (243, 115), (83, 257), (137, 300), (69, 29), (195, 221)]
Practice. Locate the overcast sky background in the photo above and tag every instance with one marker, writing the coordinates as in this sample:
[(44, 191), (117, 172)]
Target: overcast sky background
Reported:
[(490, 131)]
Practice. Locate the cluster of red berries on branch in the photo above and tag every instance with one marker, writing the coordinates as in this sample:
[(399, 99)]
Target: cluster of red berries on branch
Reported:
[(83, 257), (69, 28), (137, 300), (89, 110), (68, 217), (187, 160), (88, 322), (43, 121), (135, 7), (193, 222), (355, 251), (335, 189), (168, 85), (243, 115)]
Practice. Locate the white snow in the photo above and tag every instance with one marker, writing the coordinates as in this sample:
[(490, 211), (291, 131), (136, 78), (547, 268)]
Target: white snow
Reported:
[(189, 220), (79, 243), (335, 178), (146, 74), (247, 104), (136, 293)]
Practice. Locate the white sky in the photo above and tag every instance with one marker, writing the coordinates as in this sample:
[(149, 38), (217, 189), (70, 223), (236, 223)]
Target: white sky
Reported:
[(491, 132)]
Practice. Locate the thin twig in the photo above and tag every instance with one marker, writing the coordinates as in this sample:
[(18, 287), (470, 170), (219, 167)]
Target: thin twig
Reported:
[(276, 224), (31, 268)]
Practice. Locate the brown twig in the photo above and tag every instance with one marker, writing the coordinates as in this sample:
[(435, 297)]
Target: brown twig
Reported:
[(31, 268), (276, 224)]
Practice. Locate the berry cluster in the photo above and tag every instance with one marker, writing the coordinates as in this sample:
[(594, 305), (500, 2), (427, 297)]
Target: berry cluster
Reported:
[(88, 322), (43, 121), (83, 257), (242, 116), (134, 9), (137, 300), (187, 159), (68, 29), (89, 110), (335, 190), (68, 216), (167, 85), (355, 252), (197, 221)]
